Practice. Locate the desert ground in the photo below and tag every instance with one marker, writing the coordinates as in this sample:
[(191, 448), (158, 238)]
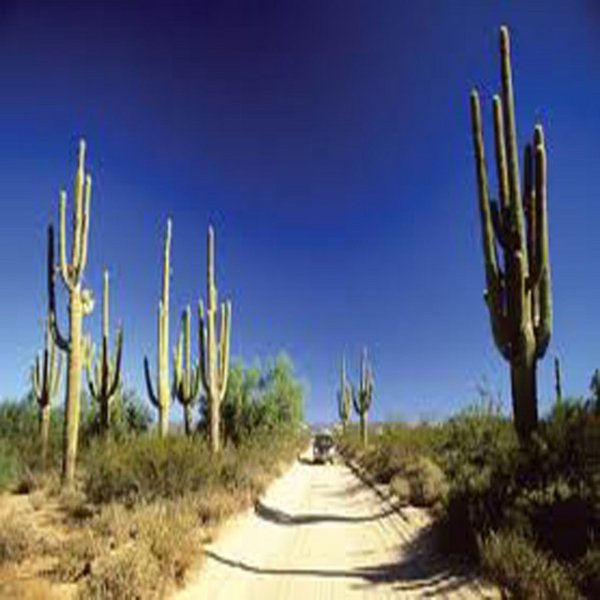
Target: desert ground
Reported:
[(320, 532)]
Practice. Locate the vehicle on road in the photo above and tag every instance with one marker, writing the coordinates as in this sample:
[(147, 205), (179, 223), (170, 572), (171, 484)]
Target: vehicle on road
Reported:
[(323, 448)]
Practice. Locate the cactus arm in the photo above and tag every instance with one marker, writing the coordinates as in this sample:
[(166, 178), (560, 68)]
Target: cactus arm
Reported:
[(35, 379), (61, 341), (498, 224), (149, 388), (202, 348), (225, 340), (57, 373), (543, 330), (78, 214), (501, 163), (65, 268), (516, 209), (494, 278), (88, 361), (116, 372), (85, 227)]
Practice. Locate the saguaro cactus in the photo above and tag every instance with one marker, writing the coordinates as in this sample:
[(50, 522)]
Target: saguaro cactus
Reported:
[(363, 398), (518, 294), (344, 396), (104, 381), (80, 304), (186, 378), (45, 379), (162, 400), (214, 350)]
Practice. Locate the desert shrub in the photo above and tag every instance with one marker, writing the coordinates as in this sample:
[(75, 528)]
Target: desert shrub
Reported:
[(127, 573), (15, 539), (400, 487), (523, 570), (146, 468), (427, 482)]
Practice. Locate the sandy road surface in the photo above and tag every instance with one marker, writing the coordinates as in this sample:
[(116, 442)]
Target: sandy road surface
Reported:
[(319, 533)]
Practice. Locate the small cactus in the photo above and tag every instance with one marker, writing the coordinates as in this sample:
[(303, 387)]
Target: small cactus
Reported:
[(186, 378), (344, 397), (45, 379), (162, 400), (518, 294), (104, 379), (363, 397), (214, 350), (80, 304)]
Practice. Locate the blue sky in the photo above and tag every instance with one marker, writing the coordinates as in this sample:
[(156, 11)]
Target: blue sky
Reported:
[(329, 143)]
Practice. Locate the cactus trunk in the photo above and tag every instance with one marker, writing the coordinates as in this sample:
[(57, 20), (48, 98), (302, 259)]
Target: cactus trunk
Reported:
[(73, 398), (187, 419), (45, 433), (45, 379), (363, 429), (214, 349), (523, 381), (80, 305), (162, 399)]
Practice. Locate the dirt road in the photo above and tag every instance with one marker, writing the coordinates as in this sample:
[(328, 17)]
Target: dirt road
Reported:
[(319, 533)]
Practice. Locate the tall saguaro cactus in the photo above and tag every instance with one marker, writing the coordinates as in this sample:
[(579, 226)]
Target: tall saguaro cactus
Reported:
[(162, 400), (363, 397), (80, 304), (104, 380), (186, 378), (45, 379), (518, 294), (214, 350), (344, 396)]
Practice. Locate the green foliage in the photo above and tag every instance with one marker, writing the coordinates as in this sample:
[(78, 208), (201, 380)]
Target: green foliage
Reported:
[(261, 399), (19, 435), (9, 466), (128, 415)]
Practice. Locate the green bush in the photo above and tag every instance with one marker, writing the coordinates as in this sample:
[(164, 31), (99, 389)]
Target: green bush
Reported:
[(9, 466)]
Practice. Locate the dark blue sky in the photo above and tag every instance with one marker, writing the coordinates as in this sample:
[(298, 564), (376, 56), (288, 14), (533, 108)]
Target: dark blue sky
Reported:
[(329, 143)]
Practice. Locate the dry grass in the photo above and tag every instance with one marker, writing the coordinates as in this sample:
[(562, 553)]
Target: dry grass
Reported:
[(16, 542)]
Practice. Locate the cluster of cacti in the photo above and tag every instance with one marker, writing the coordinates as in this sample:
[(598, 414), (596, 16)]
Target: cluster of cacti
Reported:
[(344, 396), (162, 399), (186, 377), (518, 293), (105, 377), (45, 379), (104, 374), (80, 304), (214, 346)]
